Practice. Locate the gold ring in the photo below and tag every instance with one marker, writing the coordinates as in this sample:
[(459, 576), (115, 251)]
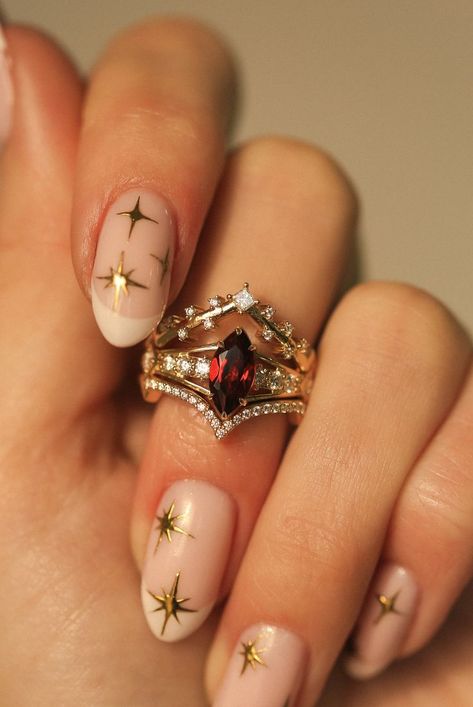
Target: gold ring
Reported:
[(233, 379)]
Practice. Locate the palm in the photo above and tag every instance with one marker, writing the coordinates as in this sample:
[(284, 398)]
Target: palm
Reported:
[(72, 627)]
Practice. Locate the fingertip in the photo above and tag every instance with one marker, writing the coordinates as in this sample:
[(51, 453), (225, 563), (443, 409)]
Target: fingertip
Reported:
[(360, 670)]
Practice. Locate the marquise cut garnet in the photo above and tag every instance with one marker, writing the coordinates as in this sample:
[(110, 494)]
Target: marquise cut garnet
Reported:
[(232, 371)]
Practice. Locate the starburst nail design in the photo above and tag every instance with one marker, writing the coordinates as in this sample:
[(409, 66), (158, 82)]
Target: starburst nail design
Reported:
[(167, 525), (164, 262), (170, 604), (135, 215), (387, 605), (120, 281), (251, 656)]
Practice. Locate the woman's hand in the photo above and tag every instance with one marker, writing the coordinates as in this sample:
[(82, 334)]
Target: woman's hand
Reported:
[(379, 474)]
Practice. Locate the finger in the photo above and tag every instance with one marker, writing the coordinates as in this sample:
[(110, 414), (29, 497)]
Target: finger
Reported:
[(287, 231), (41, 308), (6, 90), (427, 555), (384, 383), (143, 187)]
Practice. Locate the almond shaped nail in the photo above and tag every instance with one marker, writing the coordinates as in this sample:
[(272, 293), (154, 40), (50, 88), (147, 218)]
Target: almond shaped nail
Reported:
[(186, 558), (384, 621), (132, 268), (265, 669)]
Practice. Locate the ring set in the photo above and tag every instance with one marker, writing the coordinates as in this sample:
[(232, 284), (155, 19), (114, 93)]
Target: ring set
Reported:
[(259, 368)]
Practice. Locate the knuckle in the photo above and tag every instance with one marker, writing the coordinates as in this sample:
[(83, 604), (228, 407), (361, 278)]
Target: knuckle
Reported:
[(315, 545), (403, 325), (445, 490), (316, 194), (309, 167)]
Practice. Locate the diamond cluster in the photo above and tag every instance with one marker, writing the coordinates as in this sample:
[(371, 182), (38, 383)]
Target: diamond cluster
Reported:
[(277, 380), (221, 429), (183, 365)]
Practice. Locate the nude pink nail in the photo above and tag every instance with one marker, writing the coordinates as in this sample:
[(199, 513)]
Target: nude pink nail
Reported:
[(187, 554), (266, 669), (384, 621), (132, 268), (6, 90)]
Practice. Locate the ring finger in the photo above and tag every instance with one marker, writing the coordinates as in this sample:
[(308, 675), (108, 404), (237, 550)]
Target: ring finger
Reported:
[(391, 364), (281, 220)]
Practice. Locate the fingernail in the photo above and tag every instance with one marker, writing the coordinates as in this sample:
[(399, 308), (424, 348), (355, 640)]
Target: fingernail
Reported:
[(384, 621), (6, 90), (132, 269), (187, 554), (265, 669)]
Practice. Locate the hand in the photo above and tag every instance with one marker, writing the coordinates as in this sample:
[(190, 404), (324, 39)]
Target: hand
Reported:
[(384, 447)]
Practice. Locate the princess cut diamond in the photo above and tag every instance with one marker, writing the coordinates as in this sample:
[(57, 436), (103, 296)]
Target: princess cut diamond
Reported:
[(243, 300)]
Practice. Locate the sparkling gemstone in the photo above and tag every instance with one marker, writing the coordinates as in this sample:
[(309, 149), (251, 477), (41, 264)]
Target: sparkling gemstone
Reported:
[(209, 324), (168, 363), (215, 301), (268, 312), (183, 333), (266, 333), (190, 311), (185, 366), (202, 367), (232, 371), (243, 300), (287, 328)]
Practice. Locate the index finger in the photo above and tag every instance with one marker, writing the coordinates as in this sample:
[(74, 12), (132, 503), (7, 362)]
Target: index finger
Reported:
[(150, 155)]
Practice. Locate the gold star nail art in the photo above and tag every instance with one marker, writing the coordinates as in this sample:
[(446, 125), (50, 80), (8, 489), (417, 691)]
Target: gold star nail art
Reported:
[(120, 281), (135, 215), (164, 264), (251, 656), (387, 605), (167, 525), (170, 604)]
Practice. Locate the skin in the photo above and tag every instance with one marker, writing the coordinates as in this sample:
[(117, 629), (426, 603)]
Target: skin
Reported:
[(72, 627)]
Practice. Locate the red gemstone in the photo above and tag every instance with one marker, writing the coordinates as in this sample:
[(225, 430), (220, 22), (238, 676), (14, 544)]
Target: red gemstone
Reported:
[(232, 371)]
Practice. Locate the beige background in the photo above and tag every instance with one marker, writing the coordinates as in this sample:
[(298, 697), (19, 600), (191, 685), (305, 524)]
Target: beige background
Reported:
[(385, 85)]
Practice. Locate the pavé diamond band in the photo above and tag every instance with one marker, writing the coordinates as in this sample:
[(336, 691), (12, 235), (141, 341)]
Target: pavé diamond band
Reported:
[(259, 368)]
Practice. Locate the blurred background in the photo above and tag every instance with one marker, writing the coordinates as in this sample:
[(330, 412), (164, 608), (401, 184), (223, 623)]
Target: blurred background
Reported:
[(384, 85)]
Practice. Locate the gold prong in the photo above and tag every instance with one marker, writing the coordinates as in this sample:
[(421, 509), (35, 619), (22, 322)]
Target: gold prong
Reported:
[(243, 402)]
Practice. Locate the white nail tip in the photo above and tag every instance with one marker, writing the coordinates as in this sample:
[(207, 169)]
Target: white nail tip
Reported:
[(359, 670), (119, 330)]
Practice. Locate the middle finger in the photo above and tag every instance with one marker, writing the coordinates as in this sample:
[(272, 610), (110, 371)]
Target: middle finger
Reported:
[(281, 221)]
